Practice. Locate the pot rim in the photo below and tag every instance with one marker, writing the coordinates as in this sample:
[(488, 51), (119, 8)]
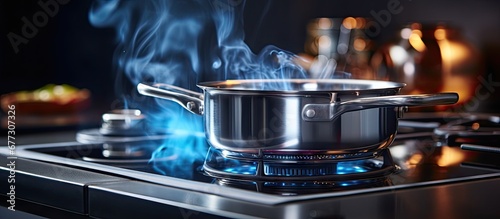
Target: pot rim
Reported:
[(300, 85)]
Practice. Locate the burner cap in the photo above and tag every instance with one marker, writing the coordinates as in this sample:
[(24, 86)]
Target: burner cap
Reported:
[(122, 122), (94, 136)]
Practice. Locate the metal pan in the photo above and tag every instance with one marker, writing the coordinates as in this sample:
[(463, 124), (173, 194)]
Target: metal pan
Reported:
[(333, 116)]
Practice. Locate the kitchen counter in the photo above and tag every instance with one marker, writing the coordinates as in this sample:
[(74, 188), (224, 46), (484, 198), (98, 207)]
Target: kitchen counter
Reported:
[(472, 198), (469, 199), (26, 209)]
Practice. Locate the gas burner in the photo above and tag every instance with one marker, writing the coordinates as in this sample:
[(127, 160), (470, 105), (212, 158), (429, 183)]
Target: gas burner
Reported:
[(123, 125), (123, 122), (474, 129), (93, 136), (295, 167)]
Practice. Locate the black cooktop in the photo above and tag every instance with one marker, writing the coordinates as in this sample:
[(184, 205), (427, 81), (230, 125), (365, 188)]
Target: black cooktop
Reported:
[(445, 173), (418, 160)]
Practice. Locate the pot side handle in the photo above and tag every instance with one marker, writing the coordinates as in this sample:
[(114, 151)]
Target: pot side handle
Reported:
[(190, 100), (329, 112)]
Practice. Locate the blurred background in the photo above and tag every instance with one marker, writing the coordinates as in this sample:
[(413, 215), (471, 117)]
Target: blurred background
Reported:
[(433, 46)]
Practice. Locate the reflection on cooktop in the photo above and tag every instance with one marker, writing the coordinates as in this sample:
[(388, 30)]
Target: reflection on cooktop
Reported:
[(417, 160)]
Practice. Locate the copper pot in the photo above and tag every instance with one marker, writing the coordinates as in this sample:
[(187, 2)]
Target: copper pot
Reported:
[(430, 59)]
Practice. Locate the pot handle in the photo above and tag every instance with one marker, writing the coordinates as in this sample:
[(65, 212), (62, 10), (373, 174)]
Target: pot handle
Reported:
[(190, 100), (329, 112)]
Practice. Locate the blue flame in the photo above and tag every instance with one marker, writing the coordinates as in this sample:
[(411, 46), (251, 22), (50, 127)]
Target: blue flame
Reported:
[(181, 43), (351, 167)]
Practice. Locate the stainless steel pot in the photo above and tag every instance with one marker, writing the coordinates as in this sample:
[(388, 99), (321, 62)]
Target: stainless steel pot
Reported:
[(333, 116)]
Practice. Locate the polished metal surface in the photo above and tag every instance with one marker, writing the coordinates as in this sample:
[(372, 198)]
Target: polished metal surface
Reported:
[(325, 112), (482, 148), (57, 186), (190, 100), (122, 122), (300, 86), (248, 116), (102, 191), (249, 123)]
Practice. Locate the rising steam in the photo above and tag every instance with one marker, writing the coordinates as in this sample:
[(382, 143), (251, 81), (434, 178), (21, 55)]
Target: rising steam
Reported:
[(183, 42)]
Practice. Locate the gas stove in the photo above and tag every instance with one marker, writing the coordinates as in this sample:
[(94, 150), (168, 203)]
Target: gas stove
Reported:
[(434, 168)]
